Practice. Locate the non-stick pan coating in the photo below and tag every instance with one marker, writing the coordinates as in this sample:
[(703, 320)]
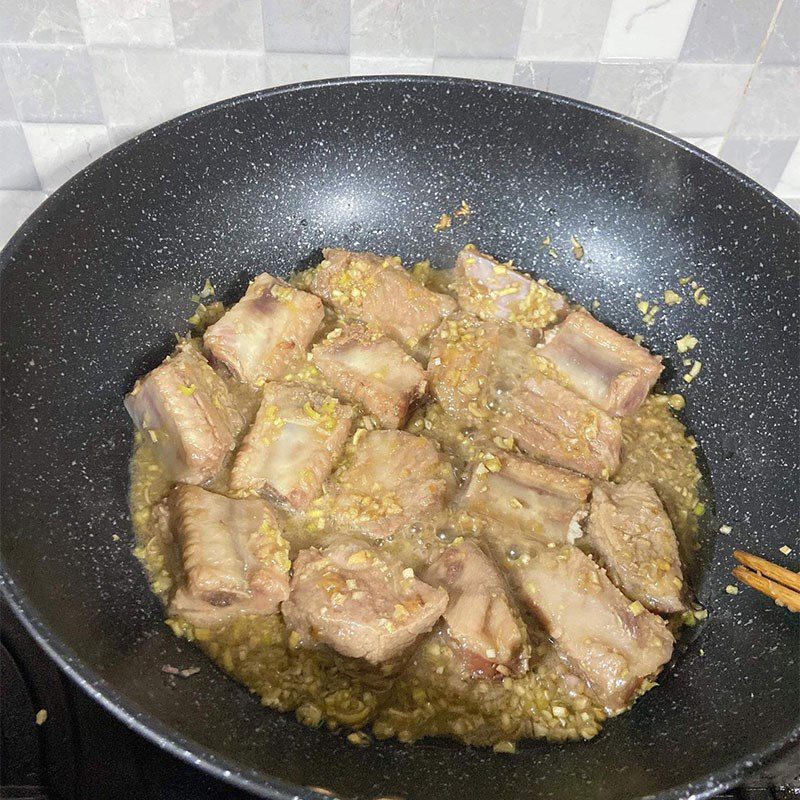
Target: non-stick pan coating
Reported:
[(100, 278)]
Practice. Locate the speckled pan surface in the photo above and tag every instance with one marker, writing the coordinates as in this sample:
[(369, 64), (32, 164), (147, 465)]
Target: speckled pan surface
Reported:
[(99, 279)]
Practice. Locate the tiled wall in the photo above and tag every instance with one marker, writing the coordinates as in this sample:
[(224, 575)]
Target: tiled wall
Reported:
[(79, 76)]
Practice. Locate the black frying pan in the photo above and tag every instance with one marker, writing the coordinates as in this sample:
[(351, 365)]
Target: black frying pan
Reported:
[(99, 278)]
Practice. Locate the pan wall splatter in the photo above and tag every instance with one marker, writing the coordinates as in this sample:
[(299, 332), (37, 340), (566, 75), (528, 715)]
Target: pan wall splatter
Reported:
[(90, 289)]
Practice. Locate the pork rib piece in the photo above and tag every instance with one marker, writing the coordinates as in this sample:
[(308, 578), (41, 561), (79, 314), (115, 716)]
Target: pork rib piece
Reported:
[(186, 411), (631, 535), (463, 350), (291, 448), (379, 292), (490, 289), (232, 557), (608, 369), (259, 338), (555, 425), (389, 480), (541, 502), (360, 602), (369, 368), (614, 644), (481, 619)]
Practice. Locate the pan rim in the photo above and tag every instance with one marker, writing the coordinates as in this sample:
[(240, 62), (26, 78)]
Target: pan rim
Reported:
[(163, 735)]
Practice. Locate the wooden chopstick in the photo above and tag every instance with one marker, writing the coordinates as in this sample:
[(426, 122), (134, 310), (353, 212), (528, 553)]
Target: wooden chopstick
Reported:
[(776, 582)]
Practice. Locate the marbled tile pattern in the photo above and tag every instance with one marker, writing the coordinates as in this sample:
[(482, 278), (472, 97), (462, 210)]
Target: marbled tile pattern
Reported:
[(723, 74)]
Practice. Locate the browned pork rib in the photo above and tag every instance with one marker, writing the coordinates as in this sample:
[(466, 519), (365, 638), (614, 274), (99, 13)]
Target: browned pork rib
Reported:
[(481, 619), (378, 291), (291, 448), (553, 424), (260, 336), (360, 602), (608, 369), (184, 408), (489, 289), (390, 480), (369, 368), (631, 535), (463, 350), (541, 502), (615, 644), (231, 555)]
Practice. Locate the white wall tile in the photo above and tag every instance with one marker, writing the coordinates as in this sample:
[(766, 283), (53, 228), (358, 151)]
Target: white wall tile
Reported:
[(783, 45), (51, 84), (789, 183), (307, 26), (15, 208), (727, 31), (212, 76), (486, 69), (218, 24), (286, 68), (127, 22), (563, 30), (60, 150), (702, 98), (646, 29), (40, 22), (770, 106), (762, 159), (635, 89), (572, 79), (7, 110), (477, 28), (711, 144), (149, 86), (384, 28), (390, 65), (16, 166), (138, 86), (117, 134)]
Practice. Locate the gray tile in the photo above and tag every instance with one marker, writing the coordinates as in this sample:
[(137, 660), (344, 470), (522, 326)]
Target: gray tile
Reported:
[(792, 202), (764, 160), (139, 86), (386, 28), (125, 22), (563, 30), (40, 22), (702, 99), (789, 183), (711, 144), (307, 26), (51, 84), (7, 110), (16, 165), (212, 76), (390, 65), (769, 108), (635, 89), (59, 150), (15, 207), (286, 68), (142, 87), (499, 70), (783, 45), (218, 24), (478, 29), (572, 79), (727, 31), (646, 29)]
